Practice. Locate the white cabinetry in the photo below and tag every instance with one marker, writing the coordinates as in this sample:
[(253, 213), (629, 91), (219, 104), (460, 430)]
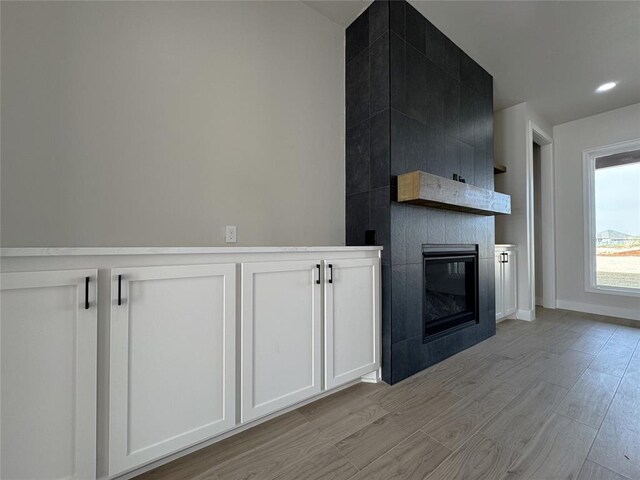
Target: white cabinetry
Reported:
[(506, 291), (352, 319), (48, 379), (281, 335), (172, 359), (183, 349)]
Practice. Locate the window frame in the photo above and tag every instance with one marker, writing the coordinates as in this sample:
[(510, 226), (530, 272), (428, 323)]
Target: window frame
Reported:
[(589, 157)]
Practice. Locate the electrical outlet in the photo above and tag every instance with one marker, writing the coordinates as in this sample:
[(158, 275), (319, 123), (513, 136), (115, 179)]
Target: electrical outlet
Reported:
[(230, 234)]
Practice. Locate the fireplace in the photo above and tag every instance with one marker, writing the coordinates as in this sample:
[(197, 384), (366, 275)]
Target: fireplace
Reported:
[(450, 289)]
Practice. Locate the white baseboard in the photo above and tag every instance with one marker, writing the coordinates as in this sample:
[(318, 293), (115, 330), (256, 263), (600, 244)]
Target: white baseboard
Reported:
[(527, 315), (373, 377), (599, 309)]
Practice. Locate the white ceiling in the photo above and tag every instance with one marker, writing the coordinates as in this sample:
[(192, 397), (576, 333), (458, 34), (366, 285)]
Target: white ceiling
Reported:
[(551, 54)]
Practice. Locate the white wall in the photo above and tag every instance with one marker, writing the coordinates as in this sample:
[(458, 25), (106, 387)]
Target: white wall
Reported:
[(157, 123), (512, 146), (570, 140)]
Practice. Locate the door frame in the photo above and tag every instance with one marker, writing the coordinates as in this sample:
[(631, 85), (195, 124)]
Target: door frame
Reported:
[(547, 182)]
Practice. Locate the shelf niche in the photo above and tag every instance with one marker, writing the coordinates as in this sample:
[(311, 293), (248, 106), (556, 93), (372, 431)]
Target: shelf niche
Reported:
[(426, 189)]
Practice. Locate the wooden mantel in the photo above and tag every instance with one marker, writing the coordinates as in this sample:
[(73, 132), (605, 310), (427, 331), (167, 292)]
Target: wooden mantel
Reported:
[(421, 188)]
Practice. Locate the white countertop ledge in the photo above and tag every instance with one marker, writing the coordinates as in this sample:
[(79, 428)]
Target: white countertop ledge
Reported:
[(93, 251)]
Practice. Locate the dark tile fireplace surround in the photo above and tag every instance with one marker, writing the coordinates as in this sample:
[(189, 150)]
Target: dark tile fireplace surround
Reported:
[(415, 101)]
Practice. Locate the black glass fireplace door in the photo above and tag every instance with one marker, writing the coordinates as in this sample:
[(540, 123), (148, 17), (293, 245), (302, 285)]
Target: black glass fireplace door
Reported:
[(450, 292)]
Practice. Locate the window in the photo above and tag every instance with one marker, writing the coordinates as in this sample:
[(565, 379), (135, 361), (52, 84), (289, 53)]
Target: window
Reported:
[(612, 218)]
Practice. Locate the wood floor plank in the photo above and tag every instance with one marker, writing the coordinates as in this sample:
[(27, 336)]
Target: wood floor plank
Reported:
[(618, 449), (566, 369), (560, 341), (484, 348), (412, 459), (557, 451), (612, 359), (626, 337), (589, 399), (419, 411), (203, 461), (267, 460), (624, 411), (590, 342), (344, 413), (415, 388), (328, 464), (480, 426), (479, 459), (457, 424), (480, 372), (520, 420), (521, 346), (524, 370), (370, 442), (593, 471)]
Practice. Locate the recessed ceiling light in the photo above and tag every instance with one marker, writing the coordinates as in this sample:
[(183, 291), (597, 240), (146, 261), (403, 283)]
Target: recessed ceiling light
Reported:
[(606, 86)]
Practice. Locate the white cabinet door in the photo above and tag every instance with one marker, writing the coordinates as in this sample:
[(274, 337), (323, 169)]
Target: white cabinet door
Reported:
[(48, 379), (352, 319), (281, 335), (172, 360), (499, 284), (509, 282)]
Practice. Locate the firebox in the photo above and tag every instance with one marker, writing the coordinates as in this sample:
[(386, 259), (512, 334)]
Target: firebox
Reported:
[(450, 288)]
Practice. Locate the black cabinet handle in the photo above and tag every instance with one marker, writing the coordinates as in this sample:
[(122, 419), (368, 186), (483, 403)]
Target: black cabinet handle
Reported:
[(318, 267), (86, 293), (119, 289), (330, 273), (506, 257)]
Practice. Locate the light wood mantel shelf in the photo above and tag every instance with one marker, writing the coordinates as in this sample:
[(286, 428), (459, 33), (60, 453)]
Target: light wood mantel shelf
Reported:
[(421, 188)]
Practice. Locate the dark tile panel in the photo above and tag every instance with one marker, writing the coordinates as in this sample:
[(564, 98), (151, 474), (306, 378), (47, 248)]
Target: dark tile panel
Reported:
[(416, 358), (414, 327), (435, 88), (379, 75), (398, 134), (399, 214), (415, 146), (380, 139), (399, 361), (378, 19), (357, 90), (416, 26), (387, 290), (467, 114), (417, 82), (357, 159), (434, 139), (433, 124), (357, 36), (467, 163), (451, 98), (399, 303), (451, 156), (434, 48), (453, 227), (469, 72), (451, 58), (357, 218), (424, 225), (397, 16), (397, 74), (380, 204), (474, 76)]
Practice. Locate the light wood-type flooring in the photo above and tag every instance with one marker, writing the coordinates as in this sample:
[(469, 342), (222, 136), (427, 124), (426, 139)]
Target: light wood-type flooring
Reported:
[(556, 398)]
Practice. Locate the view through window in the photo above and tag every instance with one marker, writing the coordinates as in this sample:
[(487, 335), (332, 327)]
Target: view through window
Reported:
[(616, 194)]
